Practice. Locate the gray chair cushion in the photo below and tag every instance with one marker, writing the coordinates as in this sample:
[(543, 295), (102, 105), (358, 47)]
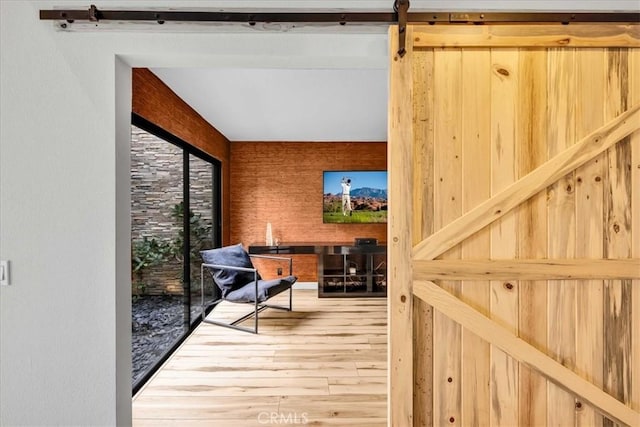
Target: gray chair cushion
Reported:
[(266, 290), (226, 279)]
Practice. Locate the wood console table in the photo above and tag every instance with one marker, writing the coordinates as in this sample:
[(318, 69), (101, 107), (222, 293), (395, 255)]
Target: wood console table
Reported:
[(344, 269)]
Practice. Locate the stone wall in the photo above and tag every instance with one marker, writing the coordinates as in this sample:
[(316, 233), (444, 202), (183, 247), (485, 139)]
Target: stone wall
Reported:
[(156, 189), (154, 101)]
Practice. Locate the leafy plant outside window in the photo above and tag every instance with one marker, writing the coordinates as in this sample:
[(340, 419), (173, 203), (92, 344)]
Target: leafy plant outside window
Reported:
[(151, 251)]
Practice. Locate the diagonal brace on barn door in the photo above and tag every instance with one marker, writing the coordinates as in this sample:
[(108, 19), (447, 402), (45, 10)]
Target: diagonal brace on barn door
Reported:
[(499, 205), (494, 334)]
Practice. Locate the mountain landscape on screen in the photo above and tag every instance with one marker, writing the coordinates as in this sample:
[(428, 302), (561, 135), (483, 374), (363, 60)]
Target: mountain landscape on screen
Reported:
[(362, 199)]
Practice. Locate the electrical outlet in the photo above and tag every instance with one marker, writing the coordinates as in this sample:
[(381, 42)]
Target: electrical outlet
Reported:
[(279, 271)]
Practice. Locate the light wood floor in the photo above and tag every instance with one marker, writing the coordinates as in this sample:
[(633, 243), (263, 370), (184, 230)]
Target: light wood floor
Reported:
[(323, 364)]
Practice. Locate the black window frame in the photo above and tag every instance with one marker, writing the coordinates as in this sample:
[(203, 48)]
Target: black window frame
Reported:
[(187, 150)]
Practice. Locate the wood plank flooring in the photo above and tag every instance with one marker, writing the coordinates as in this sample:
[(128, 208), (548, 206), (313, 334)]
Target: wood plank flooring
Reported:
[(323, 364)]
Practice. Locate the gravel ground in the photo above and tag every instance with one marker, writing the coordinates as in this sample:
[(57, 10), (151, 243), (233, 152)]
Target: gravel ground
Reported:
[(156, 323)]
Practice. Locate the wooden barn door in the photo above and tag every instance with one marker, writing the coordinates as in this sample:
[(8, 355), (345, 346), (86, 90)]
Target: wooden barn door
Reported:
[(514, 234)]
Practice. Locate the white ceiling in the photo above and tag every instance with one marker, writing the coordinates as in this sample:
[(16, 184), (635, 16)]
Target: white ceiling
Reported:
[(298, 104), (286, 104)]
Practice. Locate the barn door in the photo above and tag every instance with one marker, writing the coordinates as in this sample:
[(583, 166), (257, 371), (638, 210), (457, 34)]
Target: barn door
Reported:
[(514, 233)]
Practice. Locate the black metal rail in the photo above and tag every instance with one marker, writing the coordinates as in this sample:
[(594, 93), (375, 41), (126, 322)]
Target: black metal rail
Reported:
[(400, 16), (93, 14)]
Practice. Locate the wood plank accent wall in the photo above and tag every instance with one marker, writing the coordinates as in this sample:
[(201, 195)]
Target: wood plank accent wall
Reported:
[(156, 102), (281, 183), (524, 183)]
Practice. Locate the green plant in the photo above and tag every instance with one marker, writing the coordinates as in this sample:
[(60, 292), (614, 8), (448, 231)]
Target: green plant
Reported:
[(147, 253), (199, 237), (151, 251), (140, 288)]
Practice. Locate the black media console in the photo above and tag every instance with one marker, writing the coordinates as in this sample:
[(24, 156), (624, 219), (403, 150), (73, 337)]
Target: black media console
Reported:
[(344, 269)]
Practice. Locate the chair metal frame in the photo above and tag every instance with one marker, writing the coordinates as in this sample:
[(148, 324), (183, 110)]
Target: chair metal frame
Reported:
[(258, 307)]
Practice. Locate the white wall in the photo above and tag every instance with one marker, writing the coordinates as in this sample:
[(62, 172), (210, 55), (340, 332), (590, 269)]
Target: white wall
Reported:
[(64, 203)]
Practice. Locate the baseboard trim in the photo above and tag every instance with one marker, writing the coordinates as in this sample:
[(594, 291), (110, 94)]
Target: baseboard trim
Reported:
[(306, 285)]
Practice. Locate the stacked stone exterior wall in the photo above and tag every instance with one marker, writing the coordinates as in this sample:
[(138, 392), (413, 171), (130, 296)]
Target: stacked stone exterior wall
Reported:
[(156, 188)]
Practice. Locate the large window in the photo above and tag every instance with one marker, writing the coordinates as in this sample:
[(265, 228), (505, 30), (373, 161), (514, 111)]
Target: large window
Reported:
[(204, 200), (175, 213)]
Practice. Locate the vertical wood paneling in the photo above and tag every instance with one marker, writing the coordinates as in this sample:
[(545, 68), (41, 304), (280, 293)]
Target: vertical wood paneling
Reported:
[(617, 210), (589, 216), (634, 76), (422, 363), (399, 146), (504, 244), (422, 227), (561, 311), (448, 206), (490, 118), (532, 226), (476, 188), (423, 120)]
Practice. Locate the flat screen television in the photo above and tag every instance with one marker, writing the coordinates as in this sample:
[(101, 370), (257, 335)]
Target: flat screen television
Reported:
[(354, 197)]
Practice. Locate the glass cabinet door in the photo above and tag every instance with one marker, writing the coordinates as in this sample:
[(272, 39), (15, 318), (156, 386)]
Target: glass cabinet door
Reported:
[(352, 271)]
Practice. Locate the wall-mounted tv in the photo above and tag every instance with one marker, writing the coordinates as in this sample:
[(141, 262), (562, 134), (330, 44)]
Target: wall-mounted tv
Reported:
[(354, 197)]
